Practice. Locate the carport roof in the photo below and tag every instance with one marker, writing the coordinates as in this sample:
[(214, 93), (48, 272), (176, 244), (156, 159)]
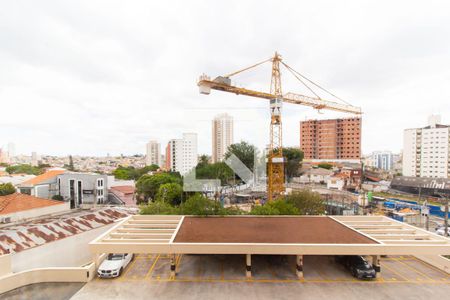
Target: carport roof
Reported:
[(290, 235)]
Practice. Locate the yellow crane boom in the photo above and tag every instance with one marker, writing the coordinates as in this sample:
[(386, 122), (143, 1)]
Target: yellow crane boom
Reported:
[(276, 180)]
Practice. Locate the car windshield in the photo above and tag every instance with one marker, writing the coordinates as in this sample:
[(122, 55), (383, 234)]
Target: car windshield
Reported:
[(115, 256), (364, 266)]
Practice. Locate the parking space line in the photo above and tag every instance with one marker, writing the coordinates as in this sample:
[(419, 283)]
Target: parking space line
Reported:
[(432, 267), (417, 271), (150, 271), (129, 267), (395, 272)]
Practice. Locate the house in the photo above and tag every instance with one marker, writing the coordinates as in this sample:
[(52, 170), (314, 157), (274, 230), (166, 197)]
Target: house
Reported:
[(79, 189), (41, 186), (338, 181), (18, 207), (315, 175), (123, 195)]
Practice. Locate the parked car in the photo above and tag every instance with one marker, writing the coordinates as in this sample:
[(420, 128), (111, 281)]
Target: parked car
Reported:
[(114, 265), (358, 266), (441, 231)]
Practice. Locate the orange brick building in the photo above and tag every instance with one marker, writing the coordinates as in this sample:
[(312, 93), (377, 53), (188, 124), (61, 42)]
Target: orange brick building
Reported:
[(331, 139)]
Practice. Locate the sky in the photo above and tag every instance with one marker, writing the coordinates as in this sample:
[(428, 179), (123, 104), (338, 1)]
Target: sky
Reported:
[(97, 77)]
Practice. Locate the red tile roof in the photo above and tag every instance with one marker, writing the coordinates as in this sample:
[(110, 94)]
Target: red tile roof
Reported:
[(19, 202), (126, 189), (43, 177)]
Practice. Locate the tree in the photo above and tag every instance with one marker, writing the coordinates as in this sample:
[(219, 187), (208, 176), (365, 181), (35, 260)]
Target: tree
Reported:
[(6, 189), (132, 173), (24, 169), (159, 208), (148, 185), (307, 202), (170, 193), (293, 157), (219, 170), (201, 206), (203, 160), (244, 151), (325, 166), (71, 167), (277, 207)]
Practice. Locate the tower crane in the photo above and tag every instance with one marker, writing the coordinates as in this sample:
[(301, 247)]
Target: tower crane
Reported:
[(276, 179)]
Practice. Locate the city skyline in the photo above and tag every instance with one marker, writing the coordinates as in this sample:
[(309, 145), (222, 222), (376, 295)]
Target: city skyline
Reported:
[(92, 92)]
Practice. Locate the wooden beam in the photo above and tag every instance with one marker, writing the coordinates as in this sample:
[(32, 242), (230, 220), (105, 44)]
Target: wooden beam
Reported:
[(141, 235), (143, 230)]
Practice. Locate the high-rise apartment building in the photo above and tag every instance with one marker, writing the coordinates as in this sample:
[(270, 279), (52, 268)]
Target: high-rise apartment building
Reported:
[(181, 154), (335, 139), (222, 136), (382, 160), (426, 150), (153, 153)]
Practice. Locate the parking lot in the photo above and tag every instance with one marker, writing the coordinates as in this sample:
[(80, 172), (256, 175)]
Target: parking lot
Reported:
[(276, 268)]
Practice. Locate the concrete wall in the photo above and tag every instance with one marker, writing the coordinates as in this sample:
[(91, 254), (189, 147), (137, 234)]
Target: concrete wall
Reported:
[(5, 265), (14, 280), (37, 212), (89, 183), (68, 252)]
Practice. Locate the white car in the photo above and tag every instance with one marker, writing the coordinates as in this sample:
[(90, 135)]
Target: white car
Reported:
[(114, 265), (441, 231)]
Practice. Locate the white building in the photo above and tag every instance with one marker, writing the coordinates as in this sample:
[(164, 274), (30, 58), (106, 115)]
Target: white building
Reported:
[(181, 154), (153, 153), (382, 160), (426, 150), (222, 136)]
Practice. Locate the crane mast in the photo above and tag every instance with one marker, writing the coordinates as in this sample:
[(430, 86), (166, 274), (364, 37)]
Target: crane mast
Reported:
[(275, 157), (275, 176)]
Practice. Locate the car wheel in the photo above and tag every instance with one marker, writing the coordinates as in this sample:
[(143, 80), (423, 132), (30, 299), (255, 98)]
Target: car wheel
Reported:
[(120, 271), (132, 256)]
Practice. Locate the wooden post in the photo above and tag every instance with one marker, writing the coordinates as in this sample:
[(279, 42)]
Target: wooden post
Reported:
[(172, 265), (376, 265), (248, 269), (299, 267)]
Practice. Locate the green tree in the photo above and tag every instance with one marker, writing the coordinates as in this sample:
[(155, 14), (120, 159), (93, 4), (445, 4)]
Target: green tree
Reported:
[(293, 157), (277, 207), (158, 208), (24, 169), (199, 205), (132, 173), (148, 185), (170, 193), (219, 170), (6, 189), (325, 166), (307, 202), (203, 160), (244, 151)]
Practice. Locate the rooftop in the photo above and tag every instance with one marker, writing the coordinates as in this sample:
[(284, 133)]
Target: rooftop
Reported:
[(43, 177), (20, 202)]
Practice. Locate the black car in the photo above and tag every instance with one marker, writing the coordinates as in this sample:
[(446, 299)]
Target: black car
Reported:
[(358, 266)]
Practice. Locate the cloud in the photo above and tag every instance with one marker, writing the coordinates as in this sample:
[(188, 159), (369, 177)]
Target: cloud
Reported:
[(92, 77)]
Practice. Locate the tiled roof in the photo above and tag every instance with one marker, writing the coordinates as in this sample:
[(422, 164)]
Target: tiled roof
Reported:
[(126, 189), (16, 238), (19, 202), (43, 177)]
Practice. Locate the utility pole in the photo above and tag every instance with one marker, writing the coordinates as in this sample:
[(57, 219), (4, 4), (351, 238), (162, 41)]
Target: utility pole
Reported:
[(446, 218)]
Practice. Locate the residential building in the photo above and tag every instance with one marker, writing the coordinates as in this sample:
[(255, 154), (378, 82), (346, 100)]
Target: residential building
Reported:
[(334, 139), (315, 175), (181, 154), (42, 186), (382, 160), (79, 189), (222, 136), (124, 195), (426, 150), (83, 189), (18, 207), (153, 156), (34, 159)]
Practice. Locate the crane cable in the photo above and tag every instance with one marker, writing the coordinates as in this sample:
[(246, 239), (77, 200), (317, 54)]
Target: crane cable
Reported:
[(312, 82), (298, 78), (255, 65)]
